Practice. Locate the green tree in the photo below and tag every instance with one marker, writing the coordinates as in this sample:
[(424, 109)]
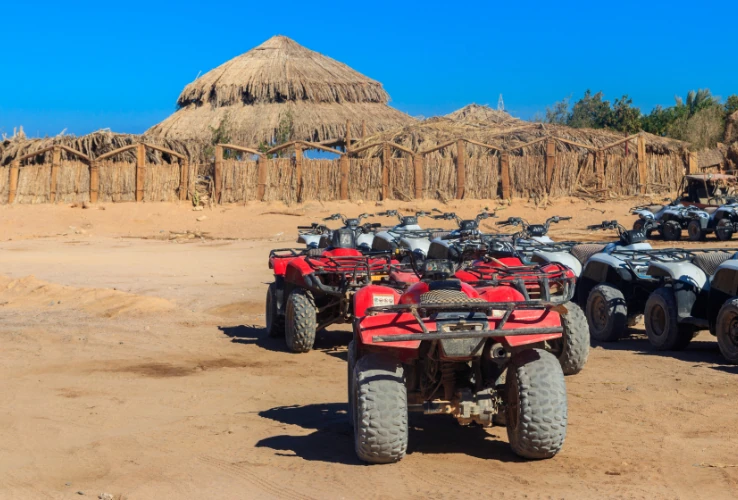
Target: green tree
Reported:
[(284, 133), (219, 135), (591, 112), (626, 117), (558, 114), (731, 104)]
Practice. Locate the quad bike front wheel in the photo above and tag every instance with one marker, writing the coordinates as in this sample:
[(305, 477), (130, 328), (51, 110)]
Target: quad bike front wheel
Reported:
[(638, 226), (380, 409), (607, 313), (301, 323), (662, 325), (572, 349), (695, 231), (727, 331), (671, 231), (350, 382), (274, 320), (724, 230), (536, 409)]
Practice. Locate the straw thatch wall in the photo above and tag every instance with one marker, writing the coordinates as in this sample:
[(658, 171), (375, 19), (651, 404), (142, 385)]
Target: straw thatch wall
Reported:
[(321, 180), (239, 181), (117, 181), (34, 184), (161, 182), (73, 182), (365, 179), (402, 179), (281, 181)]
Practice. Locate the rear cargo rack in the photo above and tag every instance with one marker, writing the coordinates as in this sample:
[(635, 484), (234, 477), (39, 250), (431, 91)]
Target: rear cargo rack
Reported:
[(523, 278)]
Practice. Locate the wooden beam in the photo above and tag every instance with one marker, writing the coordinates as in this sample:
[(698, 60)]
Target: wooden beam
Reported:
[(343, 164), (550, 162), (363, 148), (386, 156), (75, 153), (218, 173), (55, 163), (279, 148), (184, 172), (440, 146), (316, 145), (164, 150), (483, 145), (298, 170), (460, 169), (140, 170), (692, 163), (418, 167), (618, 143), (261, 164), (94, 181), (241, 149), (536, 141), (116, 151), (35, 153), (347, 136), (642, 166), (13, 173), (575, 144), (505, 175), (402, 148)]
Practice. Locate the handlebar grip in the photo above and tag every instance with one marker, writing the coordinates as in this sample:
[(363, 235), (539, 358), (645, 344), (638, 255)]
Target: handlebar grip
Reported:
[(565, 218), (375, 225)]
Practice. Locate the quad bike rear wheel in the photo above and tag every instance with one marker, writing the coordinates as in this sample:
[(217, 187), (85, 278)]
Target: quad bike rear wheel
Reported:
[(695, 231), (350, 382), (380, 409), (301, 322), (671, 230), (536, 410), (727, 331), (638, 226), (274, 320), (662, 325), (724, 230), (607, 313), (572, 349)]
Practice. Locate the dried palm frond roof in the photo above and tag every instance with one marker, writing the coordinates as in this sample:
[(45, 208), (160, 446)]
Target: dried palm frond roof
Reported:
[(279, 79), (92, 145), (438, 130), (472, 113)]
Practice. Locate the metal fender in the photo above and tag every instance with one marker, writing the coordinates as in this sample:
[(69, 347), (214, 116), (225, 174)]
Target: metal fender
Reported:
[(311, 240), (365, 239), (683, 272), (374, 296), (603, 258), (644, 214), (564, 258), (422, 244), (385, 235)]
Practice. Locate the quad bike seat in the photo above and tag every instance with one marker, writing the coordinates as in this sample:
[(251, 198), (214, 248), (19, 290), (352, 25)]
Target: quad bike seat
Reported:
[(709, 262), (654, 209), (586, 250)]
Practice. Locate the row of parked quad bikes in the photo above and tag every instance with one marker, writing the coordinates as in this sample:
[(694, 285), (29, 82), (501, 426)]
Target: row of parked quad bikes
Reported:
[(485, 326)]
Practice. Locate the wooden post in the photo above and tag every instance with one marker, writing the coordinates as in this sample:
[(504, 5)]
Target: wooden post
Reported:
[(363, 129), (140, 171), (218, 173), (642, 167), (692, 164), (599, 168), (261, 164), (298, 170), (343, 163), (460, 168), (14, 172), (505, 175), (347, 136), (55, 163), (550, 162), (386, 156), (418, 166), (94, 181), (184, 172)]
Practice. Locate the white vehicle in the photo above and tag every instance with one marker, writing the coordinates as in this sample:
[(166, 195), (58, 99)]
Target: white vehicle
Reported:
[(670, 219), (319, 236), (407, 235), (723, 221)]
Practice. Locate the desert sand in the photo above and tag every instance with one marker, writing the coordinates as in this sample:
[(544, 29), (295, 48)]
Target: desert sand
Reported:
[(135, 363)]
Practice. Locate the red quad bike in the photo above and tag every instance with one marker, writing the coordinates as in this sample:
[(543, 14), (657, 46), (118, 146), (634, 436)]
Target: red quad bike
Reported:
[(312, 291), (446, 347)]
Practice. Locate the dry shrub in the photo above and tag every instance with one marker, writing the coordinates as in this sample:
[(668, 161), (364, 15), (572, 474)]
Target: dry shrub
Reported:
[(365, 178), (240, 181), (34, 184), (281, 180), (117, 181), (321, 180), (73, 181), (402, 179)]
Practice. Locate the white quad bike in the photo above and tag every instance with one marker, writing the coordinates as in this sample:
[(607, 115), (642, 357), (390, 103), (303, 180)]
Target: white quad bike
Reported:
[(698, 290), (442, 247), (723, 221), (407, 236), (319, 236), (669, 219)]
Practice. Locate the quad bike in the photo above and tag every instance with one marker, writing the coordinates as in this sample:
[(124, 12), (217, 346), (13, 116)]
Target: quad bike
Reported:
[(614, 284), (311, 235), (445, 347), (319, 236), (314, 290), (723, 221), (443, 247), (697, 290), (669, 219), (407, 235)]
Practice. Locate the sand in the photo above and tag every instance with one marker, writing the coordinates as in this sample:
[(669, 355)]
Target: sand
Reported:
[(134, 362)]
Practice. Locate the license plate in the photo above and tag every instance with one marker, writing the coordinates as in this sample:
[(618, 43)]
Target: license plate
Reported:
[(383, 300)]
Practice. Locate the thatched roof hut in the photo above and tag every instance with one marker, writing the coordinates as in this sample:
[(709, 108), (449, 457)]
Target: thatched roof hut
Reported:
[(278, 79), (476, 113)]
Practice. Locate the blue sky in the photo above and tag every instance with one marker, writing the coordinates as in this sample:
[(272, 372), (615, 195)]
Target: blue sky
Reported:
[(82, 65)]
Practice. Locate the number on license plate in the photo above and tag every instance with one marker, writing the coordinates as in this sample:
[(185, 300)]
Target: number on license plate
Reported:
[(383, 300)]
